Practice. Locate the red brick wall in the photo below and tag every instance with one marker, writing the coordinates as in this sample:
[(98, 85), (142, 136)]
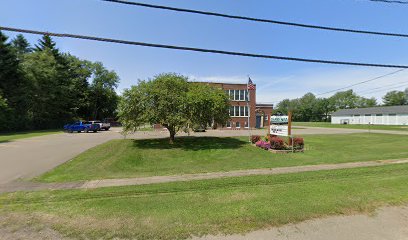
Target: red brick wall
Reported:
[(252, 105)]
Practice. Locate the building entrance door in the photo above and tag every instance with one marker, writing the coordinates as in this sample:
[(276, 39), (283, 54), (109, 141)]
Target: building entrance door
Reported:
[(258, 121)]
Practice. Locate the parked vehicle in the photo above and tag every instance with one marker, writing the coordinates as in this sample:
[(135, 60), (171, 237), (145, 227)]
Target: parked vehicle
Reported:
[(102, 125), (199, 128), (80, 126)]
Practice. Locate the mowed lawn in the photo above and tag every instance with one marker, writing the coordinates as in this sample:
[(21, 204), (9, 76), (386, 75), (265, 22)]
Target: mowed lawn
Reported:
[(7, 137), (140, 158), (180, 210), (352, 126)]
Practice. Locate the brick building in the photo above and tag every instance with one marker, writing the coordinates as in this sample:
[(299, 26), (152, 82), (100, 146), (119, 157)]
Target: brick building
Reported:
[(241, 109)]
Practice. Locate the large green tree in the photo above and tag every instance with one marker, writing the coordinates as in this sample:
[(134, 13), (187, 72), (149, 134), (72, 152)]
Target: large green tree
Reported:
[(4, 113), (170, 100), (395, 98), (45, 88), (207, 105), (12, 86), (40, 69), (345, 99), (102, 96)]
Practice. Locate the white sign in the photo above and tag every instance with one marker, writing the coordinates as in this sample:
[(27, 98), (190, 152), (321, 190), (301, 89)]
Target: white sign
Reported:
[(279, 130), (279, 119)]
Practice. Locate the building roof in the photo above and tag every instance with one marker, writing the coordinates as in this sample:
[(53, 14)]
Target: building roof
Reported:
[(225, 83), (264, 105), (373, 110)]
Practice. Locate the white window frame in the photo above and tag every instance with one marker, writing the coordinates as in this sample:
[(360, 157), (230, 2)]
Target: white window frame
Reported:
[(236, 111), (246, 124), (240, 95), (236, 125), (230, 124)]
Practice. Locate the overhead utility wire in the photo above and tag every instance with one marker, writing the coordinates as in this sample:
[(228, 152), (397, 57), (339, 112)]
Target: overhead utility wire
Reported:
[(389, 34), (242, 54), (362, 82), (387, 89), (390, 1), (382, 87)]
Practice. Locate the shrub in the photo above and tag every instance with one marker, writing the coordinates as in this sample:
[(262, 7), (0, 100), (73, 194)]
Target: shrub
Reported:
[(263, 145), (255, 138), (277, 143), (266, 146), (298, 143)]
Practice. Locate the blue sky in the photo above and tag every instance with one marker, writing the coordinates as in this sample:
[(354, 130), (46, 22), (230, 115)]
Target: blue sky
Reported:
[(275, 80)]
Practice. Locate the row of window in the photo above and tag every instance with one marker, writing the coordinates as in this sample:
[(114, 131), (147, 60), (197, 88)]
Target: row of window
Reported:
[(239, 111), (237, 95), (236, 124), (378, 115)]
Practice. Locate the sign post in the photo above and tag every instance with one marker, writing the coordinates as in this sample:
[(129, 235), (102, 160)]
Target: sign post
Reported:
[(290, 128)]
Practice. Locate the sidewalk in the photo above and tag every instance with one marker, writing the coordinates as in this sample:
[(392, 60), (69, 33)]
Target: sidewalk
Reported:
[(35, 186)]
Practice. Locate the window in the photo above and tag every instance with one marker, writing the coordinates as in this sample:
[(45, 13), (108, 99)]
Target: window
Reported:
[(392, 114), (378, 115), (242, 111), (228, 124), (356, 115), (238, 125), (239, 111), (231, 94), (266, 117), (246, 95), (368, 115), (236, 111), (246, 124), (237, 95)]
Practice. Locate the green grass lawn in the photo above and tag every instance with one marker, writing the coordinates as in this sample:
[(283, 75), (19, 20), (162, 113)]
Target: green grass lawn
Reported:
[(7, 137), (140, 158), (229, 205), (352, 126)]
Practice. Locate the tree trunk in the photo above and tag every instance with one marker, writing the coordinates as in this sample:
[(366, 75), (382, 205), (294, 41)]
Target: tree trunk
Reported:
[(172, 136)]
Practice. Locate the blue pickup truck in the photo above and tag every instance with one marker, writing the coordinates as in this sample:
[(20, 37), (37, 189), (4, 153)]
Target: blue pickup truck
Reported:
[(80, 126)]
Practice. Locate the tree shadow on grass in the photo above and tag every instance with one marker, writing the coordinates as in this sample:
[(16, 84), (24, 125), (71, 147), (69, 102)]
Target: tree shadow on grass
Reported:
[(191, 143)]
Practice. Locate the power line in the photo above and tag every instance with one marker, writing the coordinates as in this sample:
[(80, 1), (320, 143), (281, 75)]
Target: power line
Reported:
[(387, 89), (362, 82), (390, 1), (385, 86), (389, 34), (242, 54)]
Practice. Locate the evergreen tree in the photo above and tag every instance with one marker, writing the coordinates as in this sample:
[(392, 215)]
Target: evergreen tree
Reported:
[(11, 84), (46, 42), (21, 45)]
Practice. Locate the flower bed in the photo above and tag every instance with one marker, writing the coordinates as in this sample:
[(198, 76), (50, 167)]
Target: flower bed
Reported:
[(275, 144)]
